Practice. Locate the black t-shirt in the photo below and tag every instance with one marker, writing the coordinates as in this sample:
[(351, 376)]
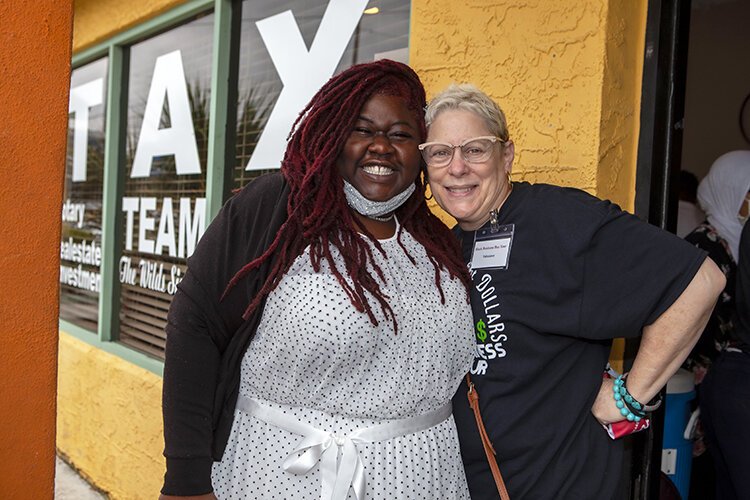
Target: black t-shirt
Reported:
[(580, 272), (742, 328)]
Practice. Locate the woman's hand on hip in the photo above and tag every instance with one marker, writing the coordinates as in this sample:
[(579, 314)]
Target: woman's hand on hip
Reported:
[(604, 408)]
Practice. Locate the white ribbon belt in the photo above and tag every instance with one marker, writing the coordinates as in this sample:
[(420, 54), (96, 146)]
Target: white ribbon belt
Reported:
[(318, 446)]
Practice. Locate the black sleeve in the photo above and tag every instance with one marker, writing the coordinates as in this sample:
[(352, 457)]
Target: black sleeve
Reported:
[(633, 272), (191, 367), (200, 327)]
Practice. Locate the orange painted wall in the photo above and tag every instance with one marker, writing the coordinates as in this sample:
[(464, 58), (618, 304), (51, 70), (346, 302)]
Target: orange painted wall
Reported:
[(34, 77)]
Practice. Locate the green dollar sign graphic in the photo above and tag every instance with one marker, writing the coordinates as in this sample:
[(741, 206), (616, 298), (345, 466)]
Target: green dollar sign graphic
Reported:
[(481, 332)]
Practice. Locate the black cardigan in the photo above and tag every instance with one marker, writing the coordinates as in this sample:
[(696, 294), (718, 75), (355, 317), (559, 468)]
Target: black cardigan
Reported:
[(207, 339)]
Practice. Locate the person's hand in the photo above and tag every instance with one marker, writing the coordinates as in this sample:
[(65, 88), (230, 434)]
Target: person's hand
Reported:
[(604, 408), (207, 496)]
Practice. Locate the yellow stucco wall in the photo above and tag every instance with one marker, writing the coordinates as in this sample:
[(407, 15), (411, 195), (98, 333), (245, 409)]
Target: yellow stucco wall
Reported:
[(621, 101), (566, 73), (109, 422), (96, 20)]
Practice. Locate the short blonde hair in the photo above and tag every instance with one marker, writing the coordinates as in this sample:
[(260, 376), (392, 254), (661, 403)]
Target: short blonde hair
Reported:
[(468, 97)]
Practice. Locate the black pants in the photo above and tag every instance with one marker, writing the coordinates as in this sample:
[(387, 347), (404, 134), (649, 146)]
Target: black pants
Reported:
[(725, 412)]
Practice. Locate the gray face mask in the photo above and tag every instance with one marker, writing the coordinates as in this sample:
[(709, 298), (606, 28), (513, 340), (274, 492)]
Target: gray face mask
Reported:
[(370, 208)]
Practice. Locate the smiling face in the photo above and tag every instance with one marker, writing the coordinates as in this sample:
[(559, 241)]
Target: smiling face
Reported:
[(468, 191), (380, 158)]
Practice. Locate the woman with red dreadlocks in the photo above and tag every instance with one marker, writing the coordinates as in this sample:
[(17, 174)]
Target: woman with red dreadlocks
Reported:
[(323, 324)]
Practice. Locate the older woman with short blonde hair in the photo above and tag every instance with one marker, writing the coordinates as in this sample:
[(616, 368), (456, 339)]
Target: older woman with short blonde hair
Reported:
[(557, 274)]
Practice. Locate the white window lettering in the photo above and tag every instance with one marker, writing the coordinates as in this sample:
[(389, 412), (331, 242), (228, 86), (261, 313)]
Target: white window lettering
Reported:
[(167, 83), (191, 227), (190, 233), (165, 234), (82, 99), (146, 223), (129, 206), (301, 72)]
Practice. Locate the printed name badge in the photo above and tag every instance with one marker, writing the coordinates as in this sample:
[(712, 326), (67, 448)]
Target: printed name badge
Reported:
[(492, 248)]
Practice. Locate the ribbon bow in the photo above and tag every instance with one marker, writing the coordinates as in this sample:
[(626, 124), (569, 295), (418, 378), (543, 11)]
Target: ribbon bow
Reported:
[(336, 475), (341, 466)]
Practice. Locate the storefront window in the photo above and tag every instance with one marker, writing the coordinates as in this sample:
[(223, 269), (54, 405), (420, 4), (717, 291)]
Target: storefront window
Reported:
[(163, 206), (80, 245), (288, 49), (285, 58)]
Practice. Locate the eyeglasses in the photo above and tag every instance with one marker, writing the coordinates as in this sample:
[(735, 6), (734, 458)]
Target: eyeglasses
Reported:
[(475, 150)]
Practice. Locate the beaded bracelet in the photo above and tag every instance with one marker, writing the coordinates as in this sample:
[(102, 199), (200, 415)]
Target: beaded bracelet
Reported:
[(629, 407)]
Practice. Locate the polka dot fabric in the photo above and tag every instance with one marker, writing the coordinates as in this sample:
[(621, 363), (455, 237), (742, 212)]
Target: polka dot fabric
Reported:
[(317, 358)]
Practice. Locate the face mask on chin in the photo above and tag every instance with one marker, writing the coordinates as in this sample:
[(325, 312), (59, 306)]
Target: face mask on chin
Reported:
[(370, 208)]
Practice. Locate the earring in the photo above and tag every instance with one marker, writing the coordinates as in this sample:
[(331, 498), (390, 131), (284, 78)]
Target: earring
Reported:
[(510, 181), (427, 185)]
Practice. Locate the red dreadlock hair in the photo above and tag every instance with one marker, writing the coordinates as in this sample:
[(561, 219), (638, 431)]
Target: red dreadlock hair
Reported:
[(318, 214)]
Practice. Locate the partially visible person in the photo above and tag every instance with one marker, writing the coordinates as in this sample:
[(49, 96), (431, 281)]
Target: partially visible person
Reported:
[(557, 274), (725, 391), (723, 195), (689, 214), (323, 324)]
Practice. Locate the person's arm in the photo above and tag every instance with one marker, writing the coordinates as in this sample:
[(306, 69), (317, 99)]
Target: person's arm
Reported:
[(200, 327), (666, 342), (191, 371)]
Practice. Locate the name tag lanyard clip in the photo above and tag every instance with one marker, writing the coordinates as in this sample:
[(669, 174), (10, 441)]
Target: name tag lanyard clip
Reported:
[(494, 224)]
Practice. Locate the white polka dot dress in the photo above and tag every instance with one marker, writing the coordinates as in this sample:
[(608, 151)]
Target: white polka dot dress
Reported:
[(318, 359)]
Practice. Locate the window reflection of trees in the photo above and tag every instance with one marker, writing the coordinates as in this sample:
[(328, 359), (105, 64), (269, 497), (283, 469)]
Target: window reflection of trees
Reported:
[(143, 312), (254, 110)]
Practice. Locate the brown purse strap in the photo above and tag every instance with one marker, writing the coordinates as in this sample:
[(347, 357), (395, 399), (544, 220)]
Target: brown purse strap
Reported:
[(473, 396)]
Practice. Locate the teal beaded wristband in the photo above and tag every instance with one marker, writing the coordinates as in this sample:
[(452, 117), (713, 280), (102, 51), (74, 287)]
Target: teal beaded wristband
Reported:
[(629, 407)]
